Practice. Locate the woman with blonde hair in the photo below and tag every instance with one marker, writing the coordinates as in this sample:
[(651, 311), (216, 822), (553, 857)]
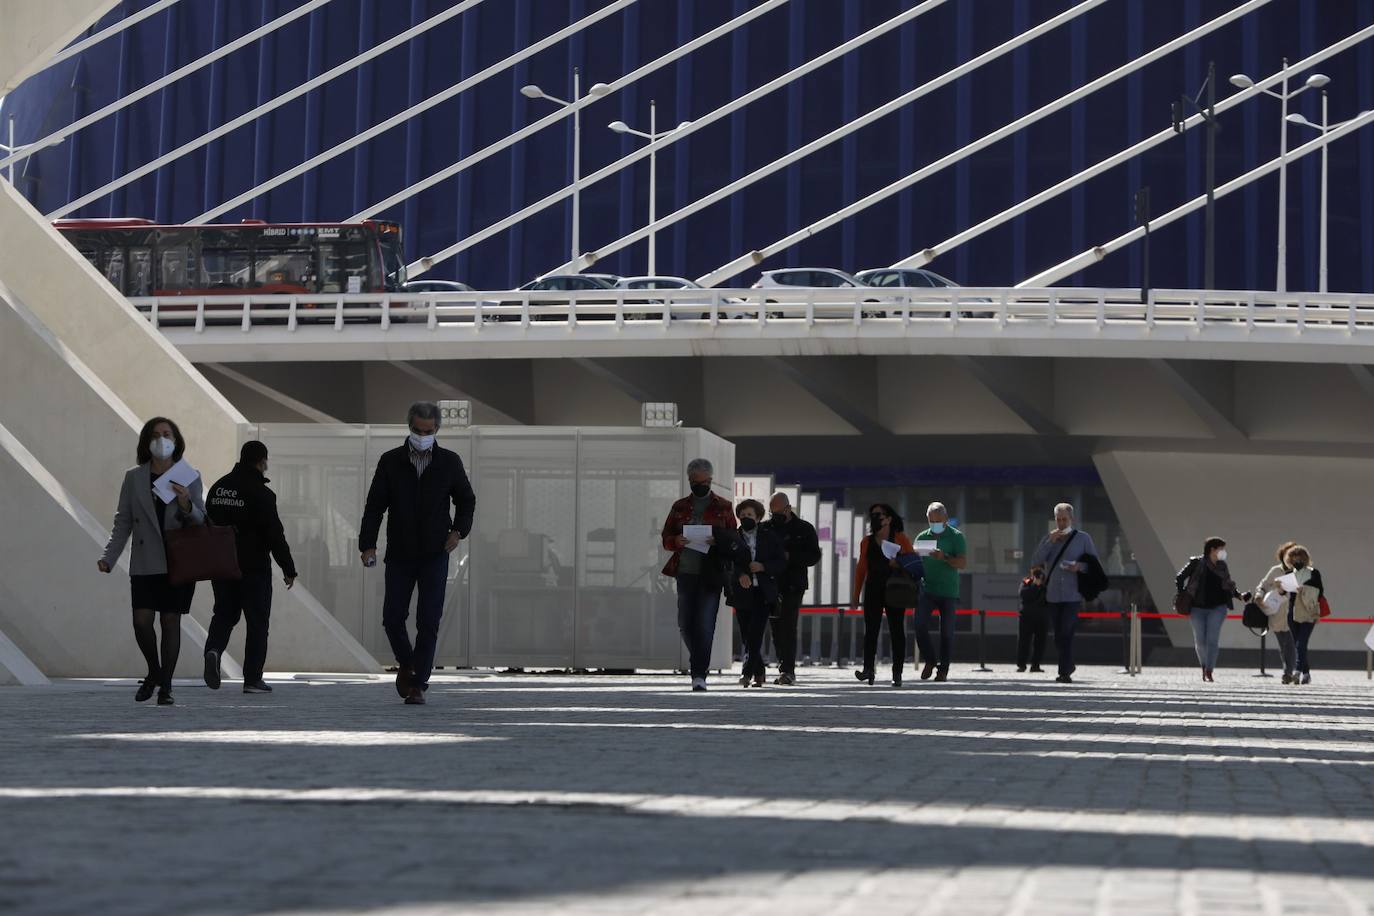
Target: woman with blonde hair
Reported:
[(1278, 622)]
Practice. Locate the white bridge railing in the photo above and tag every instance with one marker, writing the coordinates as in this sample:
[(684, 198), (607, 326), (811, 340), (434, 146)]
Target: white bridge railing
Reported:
[(788, 311)]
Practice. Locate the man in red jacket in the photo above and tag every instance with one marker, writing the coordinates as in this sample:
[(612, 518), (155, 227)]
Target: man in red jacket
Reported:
[(697, 565)]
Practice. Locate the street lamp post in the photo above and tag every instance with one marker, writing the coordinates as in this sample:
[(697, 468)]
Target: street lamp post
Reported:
[(1315, 81), (1324, 128), (596, 91), (1209, 115), (621, 127)]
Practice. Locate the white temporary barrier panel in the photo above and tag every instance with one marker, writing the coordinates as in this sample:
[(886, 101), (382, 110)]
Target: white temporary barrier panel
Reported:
[(754, 486), (844, 549), (808, 508), (825, 570), (860, 530), (562, 568)]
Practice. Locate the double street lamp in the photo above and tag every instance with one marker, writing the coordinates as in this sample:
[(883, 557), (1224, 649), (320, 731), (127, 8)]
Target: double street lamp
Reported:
[(1324, 127), (621, 127), (597, 90), (1315, 81)]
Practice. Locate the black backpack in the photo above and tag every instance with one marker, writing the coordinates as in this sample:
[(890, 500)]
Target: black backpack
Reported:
[(1254, 619)]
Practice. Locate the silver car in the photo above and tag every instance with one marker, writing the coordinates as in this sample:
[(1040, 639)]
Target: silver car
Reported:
[(915, 278)]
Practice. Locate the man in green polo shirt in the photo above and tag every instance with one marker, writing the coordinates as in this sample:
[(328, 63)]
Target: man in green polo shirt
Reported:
[(940, 589)]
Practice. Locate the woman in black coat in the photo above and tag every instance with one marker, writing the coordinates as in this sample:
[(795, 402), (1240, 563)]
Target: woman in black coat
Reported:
[(759, 559)]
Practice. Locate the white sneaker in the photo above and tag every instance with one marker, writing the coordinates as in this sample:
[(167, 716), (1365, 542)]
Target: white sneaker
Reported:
[(699, 684)]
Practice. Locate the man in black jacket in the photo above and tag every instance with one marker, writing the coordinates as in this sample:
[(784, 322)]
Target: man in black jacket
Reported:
[(803, 550), (241, 499), (414, 486)]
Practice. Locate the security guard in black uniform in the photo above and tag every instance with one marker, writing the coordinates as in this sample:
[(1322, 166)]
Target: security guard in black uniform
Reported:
[(803, 552), (241, 499)]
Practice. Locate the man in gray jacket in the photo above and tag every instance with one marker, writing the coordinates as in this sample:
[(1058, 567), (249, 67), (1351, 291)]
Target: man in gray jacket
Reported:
[(1061, 553)]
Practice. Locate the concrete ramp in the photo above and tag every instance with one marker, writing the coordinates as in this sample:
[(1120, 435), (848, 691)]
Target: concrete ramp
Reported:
[(15, 668)]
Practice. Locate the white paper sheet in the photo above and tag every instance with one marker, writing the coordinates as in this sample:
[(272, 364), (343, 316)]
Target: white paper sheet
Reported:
[(925, 548), (1289, 583), (891, 549), (696, 536), (1273, 602), (181, 473)]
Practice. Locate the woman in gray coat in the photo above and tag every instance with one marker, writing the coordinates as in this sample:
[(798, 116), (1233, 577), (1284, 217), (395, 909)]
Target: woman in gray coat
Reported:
[(143, 515)]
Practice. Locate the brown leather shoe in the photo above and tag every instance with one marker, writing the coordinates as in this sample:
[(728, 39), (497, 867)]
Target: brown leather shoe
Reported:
[(416, 698)]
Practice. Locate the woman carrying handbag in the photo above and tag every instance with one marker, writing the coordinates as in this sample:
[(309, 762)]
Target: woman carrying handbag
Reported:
[(1205, 595), (143, 516), (885, 587)]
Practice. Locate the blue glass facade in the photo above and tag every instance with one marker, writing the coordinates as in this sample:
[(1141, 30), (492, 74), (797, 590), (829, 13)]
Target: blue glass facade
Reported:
[(780, 40)]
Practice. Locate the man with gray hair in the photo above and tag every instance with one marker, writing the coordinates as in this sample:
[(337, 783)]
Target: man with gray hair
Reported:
[(414, 486), (939, 588), (1063, 554), (699, 566)]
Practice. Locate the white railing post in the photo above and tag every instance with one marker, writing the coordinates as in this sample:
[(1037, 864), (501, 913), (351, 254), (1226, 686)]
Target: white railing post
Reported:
[(1250, 310), (200, 315), (525, 311), (1052, 308), (339, 313), (1101, 310), (1352, 308), (1302, 314), (386, 313), (1150, 310), (291, 313), (246, 323), (432, 313), (153, 313), (1002, 304)]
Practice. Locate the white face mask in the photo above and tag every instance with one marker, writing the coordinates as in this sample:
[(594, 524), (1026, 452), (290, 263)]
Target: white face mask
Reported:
[(162, 448), (1221, 556), (422, 443)]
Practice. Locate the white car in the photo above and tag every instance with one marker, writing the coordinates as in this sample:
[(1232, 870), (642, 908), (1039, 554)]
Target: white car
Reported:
[(815, 278), (665, 282), (914, 278)]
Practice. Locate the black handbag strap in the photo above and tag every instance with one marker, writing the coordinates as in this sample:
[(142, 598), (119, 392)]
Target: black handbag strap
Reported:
[(1049, 572)]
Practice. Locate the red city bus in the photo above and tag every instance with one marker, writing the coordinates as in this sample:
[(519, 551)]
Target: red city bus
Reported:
[(142, 258)]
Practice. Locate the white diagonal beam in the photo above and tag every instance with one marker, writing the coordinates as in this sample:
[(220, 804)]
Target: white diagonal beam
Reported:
[(725, 271), (926, 255), (1093, 255), (839, 133), (127, 22), (423, 264), (567, 110), (401, 117), (157, 85), (229, 126)]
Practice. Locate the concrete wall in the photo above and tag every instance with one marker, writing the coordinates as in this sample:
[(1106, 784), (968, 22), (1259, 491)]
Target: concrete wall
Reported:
[(16, 670), (35, 30), (1169, 502)]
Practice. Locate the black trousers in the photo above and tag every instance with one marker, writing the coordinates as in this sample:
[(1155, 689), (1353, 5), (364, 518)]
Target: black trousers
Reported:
[(251, 598), (752, 613), (785, 630), (1032, 632), (896, 631), (428, 576)]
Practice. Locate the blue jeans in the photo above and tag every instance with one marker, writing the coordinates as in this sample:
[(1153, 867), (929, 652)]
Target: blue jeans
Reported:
[(697, 606), (1302, 632), (927, 605), (403, 578), (1207, 623), (1064, 616)]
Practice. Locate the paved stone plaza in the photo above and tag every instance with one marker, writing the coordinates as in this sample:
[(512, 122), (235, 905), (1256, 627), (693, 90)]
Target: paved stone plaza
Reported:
[(991, 793)]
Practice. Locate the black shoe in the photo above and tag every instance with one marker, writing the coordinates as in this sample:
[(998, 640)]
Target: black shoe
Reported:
[(258, 687), (1036, 669), (212, 678), (745, 680), (927, 671), (164, 697), (404, 677), (1064, 679), (1020, 669), (416, 697), (864, 676), (785, 680), (146, 688), (942, 674), (896, 680)]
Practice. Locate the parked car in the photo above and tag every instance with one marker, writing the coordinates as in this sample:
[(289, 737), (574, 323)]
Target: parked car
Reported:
[(664, 282), (915, 278)]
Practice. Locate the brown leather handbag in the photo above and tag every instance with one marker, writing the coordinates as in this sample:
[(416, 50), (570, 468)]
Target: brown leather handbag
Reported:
[(200, 553)]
